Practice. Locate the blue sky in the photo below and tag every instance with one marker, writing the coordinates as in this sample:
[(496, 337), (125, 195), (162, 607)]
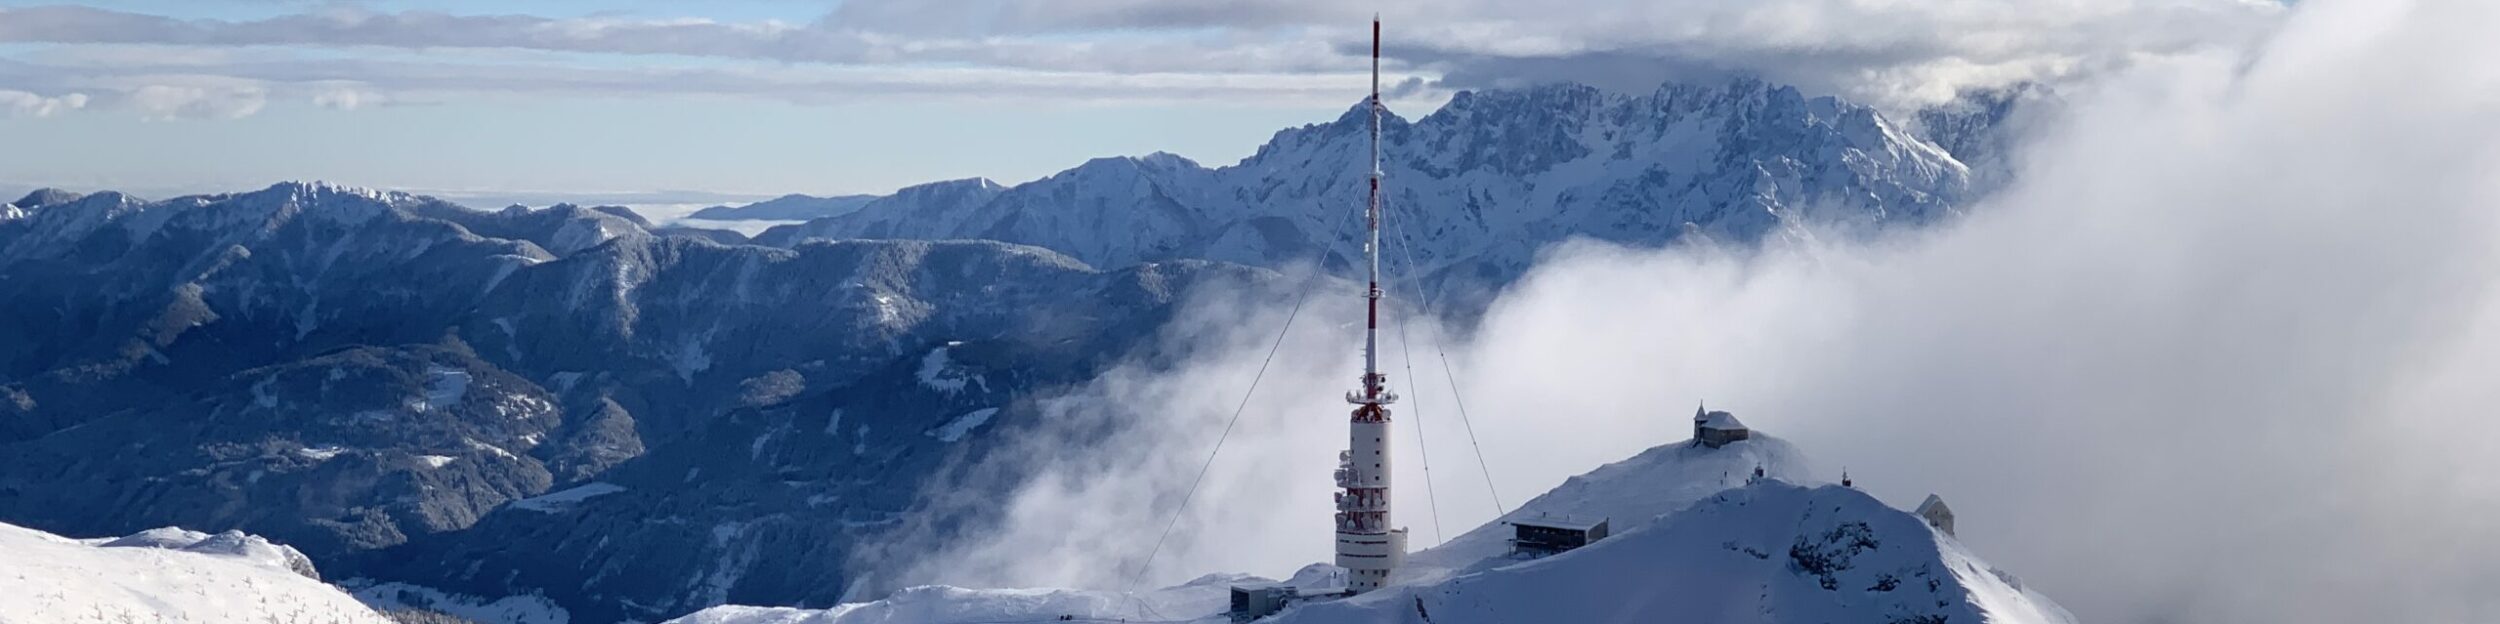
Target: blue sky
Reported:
[(760, 97), (488, 139)]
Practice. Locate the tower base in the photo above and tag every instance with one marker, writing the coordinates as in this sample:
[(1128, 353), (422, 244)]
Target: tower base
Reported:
[(1369, 558)]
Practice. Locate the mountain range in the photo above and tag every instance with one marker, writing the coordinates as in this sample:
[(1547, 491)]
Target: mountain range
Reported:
[(1473, 190), (636, 422)]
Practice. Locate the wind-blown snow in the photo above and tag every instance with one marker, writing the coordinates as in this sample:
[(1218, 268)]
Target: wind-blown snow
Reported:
[(213, 579), (689, 358), (561, 500), (955, 430), (939, 372), (444, 387)]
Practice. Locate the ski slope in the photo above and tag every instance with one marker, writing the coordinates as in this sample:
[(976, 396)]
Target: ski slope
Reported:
[(1696, 539), (164, 575)]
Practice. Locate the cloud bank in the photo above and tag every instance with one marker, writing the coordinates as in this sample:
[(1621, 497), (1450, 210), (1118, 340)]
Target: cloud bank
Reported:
[(2224, 352), (1892, 54)]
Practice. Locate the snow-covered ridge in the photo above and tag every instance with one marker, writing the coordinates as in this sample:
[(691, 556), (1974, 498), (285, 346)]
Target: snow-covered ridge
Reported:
[(164, 575), (236, 544), (1476, 187)]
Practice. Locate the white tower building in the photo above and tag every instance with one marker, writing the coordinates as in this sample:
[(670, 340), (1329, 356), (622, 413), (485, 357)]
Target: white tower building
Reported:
[(1366, 547)]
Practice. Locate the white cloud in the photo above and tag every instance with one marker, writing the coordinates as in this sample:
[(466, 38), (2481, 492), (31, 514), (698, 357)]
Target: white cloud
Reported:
[(348, 97), (167, 102), (23, 104), (2224, 353)]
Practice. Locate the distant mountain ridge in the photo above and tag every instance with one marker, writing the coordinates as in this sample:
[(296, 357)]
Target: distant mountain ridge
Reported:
[(792, 207), (1474, 189)]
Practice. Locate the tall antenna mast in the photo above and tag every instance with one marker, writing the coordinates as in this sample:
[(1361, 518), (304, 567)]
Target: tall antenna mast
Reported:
[(1371, 231), (1366, 547)]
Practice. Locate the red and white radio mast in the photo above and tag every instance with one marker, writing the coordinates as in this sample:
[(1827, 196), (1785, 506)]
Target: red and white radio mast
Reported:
[(1366, 547)]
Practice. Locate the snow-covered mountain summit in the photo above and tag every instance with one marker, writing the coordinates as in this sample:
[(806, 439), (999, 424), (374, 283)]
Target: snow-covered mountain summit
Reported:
[(165, 575), (1697, 539), (1475, 188), (1653, 483)]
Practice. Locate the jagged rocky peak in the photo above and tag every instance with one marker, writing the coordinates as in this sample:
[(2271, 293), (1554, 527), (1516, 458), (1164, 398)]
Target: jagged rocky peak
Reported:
[(1980, 126), (1553, 100), (320, 192), (1515, 131), (1484, 183)]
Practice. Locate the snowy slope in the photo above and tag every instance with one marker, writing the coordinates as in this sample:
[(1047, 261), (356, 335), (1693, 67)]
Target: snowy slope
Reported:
[(954, 604), (1627, 493), (1187, 602), (1693, 542), (164, 575)]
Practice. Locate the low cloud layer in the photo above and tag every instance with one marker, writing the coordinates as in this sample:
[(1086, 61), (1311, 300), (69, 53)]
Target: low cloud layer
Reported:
[(24, 104), (2224, 353), (1892, 54)]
